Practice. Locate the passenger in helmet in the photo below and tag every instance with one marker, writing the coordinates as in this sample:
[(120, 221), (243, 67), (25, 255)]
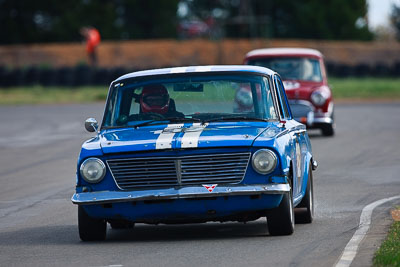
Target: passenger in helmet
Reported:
[(155, 99)]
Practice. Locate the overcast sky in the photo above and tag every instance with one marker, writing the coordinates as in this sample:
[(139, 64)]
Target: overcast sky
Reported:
[(379, 11)]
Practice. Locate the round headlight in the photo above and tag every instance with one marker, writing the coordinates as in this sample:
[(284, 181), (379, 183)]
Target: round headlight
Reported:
[(93, 170), (264, 161), (318, 98)]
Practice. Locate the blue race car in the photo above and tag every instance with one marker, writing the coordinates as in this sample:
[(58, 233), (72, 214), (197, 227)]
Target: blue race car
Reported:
[(174, 148)]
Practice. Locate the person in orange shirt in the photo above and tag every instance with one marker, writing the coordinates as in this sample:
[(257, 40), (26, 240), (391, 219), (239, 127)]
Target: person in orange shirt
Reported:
[(92, 37)]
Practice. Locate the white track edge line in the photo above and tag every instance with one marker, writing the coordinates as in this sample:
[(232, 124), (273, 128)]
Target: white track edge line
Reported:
[(351, 248)]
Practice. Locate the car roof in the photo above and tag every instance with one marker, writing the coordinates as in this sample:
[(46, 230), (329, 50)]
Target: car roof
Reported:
[(284, 51), (198, 69)]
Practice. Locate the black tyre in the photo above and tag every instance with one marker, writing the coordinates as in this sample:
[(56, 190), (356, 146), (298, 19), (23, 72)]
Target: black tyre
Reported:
[(281, 219), (305, 213), (91, 229), (328, 130), (121, 224)]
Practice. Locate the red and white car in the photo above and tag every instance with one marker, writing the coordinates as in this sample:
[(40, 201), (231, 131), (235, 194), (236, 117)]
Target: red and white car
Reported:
[(305, 81)]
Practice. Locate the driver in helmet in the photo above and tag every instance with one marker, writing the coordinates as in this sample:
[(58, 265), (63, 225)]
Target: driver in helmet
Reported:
[(155, 99)]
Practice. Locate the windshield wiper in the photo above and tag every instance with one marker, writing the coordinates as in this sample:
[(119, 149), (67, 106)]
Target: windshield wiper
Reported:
[(237, 118), (182, 119), (145, 123), (172, 119)]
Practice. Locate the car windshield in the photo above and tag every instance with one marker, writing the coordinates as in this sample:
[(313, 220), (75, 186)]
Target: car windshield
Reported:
[(292, 68), (189, 98)]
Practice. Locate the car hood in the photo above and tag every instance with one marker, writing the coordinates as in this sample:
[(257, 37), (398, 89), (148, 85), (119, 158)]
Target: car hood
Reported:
[(180, 136)]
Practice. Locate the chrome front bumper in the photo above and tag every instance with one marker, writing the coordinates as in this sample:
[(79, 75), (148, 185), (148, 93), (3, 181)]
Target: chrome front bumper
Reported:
[(326, 120), (304, 111), (172, 193)]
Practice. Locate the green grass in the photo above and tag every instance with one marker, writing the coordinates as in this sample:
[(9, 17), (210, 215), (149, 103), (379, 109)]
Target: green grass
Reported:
[(348, 88), (366, 88), (52, 95), (389, 252)]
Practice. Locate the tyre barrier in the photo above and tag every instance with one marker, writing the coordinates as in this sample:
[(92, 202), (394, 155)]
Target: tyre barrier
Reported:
[(362, 70), (63, 76), (382, 70), (83, 75)]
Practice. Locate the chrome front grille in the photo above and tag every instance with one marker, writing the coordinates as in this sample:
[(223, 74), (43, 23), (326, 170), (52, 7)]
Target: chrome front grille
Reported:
[(142, 172), (214, 168), (136, 173)]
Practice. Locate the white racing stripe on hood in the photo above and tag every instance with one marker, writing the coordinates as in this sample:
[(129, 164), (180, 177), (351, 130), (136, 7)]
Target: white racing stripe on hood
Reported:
[(192, 135), (164, 140)]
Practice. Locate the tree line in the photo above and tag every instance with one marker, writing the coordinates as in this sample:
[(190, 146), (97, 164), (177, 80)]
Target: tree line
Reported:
[(41, 21)]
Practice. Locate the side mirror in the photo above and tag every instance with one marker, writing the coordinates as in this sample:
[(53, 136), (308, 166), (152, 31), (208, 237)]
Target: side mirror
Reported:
[(314, 165), (91, 125)]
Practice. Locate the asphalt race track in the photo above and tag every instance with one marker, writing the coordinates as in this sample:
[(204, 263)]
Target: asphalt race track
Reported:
[(39, 146)]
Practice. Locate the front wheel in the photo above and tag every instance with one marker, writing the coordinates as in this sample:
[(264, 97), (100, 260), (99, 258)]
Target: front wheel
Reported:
[(328, 130), (280, 220), (91, 229), (121, 224)]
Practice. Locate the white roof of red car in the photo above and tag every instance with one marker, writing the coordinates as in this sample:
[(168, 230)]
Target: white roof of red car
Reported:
[(283, 51)]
